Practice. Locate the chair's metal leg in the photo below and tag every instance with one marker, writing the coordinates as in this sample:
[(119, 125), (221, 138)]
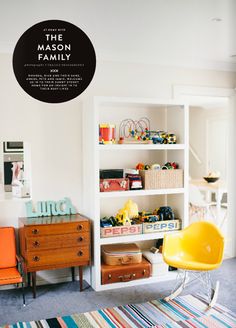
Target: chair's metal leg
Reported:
[(179, 288), (214, 295), (23, 293)]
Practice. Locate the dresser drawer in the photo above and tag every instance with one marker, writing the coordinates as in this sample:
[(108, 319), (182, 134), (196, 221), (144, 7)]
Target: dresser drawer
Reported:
[(56, 229), (57, 241), (58, 256)]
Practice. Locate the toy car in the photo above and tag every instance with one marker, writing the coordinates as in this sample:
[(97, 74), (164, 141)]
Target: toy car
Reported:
[(148, 217), (171, 138), (108, 222), (158, 137), (165, 213)]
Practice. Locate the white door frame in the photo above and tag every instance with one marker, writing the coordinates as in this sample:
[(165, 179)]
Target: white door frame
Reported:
[(186, 93)]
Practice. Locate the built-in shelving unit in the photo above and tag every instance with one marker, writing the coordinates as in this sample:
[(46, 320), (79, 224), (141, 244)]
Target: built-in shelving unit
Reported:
[(164, 115)]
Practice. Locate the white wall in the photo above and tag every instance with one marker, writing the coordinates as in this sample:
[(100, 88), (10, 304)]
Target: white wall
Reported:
[(54, 130)]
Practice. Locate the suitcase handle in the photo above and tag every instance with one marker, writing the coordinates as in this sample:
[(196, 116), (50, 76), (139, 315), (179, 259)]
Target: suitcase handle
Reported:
[(123, 262), (127, 277)]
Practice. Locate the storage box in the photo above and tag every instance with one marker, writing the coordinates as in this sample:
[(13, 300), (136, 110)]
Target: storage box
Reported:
[(159, 226), (112, 174), (162, 179), (159, 267), (121, 254), (125, 273), (114, 184), (135, 229)]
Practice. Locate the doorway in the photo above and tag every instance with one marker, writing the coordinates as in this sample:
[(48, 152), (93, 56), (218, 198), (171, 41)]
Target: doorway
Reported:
[(211, 150)]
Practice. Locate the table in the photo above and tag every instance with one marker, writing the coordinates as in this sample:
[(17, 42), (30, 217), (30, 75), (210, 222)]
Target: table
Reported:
[(54, 242), (219, 188)]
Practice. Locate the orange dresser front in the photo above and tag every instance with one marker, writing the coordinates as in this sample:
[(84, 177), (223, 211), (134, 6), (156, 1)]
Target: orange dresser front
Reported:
[(55, 242)]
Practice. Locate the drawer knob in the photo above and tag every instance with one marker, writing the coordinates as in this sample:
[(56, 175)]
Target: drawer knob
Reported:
[(80, 227), (35, 231), (80, 253), (36, 243), (36, 258), (80, 238)]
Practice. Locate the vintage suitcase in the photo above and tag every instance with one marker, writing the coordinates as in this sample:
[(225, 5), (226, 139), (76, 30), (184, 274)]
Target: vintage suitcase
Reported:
[(117, 273), (114, 184), (121, 254)]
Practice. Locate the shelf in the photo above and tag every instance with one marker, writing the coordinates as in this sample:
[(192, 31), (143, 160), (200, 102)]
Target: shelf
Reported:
[(133, 238), (142, 192), (171, 116), (141, 147), (169, 276)]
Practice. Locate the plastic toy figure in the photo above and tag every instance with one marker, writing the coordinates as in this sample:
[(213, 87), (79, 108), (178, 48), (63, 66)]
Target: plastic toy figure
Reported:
[(165, 213), (122, 217), (171, 138), (108, 222)]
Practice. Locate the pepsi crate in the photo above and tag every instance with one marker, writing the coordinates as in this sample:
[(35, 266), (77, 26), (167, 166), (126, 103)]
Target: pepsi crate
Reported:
[(160, 226), (135, 229)]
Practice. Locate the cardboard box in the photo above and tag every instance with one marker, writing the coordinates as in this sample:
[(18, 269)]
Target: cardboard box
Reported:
[(135, 229), (159, 226), (159, 267)]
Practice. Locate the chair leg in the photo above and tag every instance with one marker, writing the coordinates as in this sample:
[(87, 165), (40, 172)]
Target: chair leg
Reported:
[(179, 287), (214, 295), (201, 276), (23, 293)]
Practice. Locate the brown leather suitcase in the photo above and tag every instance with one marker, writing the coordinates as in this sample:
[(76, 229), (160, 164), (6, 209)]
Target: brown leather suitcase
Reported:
[(124, 273)]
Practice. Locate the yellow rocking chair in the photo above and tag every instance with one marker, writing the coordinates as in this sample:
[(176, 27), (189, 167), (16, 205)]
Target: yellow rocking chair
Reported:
[(195, 251)]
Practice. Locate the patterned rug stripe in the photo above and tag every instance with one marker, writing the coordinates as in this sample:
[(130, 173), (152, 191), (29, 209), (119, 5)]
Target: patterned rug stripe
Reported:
[(129, 323), (166, 311), (113, 318), (226, 319), (140, 313), (91, 320), (224, 324), (171, 306), (117, 317), (135, 321), (152, 315), (186, 308), (139, 316), (183, 312)]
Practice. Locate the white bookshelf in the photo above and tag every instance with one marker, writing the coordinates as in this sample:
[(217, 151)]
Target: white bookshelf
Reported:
[(164, 115)]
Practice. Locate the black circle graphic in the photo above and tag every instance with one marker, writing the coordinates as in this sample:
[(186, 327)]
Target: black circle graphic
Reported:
[(54, 61)]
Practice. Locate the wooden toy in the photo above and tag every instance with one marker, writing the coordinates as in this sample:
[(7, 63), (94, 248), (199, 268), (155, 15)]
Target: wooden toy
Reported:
[(107, 133), (137, 131)]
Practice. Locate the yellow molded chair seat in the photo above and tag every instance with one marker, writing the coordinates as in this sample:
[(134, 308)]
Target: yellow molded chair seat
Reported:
[(198, 247), (196, 250)]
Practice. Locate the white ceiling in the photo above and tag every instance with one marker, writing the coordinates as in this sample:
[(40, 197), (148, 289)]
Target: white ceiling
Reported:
[(166, 32)]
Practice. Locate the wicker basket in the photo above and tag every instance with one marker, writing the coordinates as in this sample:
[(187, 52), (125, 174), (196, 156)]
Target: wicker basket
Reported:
[(162, 179)]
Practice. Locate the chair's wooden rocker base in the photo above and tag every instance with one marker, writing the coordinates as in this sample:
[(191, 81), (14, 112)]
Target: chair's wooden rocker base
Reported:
[(187, 277)]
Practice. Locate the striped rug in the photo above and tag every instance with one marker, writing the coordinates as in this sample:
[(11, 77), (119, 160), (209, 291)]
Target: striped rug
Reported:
[(186, 311)]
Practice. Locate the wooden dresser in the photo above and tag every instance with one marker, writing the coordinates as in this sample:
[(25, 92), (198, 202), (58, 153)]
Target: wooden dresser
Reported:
[(54, 242)]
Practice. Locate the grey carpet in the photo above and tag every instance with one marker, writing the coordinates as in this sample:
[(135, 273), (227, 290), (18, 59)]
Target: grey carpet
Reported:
[(65, 299)]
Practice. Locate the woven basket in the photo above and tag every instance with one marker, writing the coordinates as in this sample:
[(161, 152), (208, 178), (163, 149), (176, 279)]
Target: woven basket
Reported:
[(162, 179)]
